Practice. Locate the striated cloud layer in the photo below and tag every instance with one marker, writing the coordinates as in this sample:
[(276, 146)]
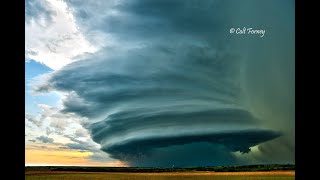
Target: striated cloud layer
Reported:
[(171, 86)]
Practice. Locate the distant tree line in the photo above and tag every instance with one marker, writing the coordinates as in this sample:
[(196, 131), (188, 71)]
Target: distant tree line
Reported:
[(269, 167)]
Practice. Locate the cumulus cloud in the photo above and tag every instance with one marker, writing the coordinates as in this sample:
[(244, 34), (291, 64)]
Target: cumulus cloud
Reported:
[(49, 131), (177, 88), (85, 145), (81, 133), (45, 139), (33, 119), (52, 36), (56, 121), (81, 147), (39, 11)]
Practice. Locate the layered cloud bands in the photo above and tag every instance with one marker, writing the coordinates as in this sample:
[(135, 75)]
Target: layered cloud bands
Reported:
[(170, 91)]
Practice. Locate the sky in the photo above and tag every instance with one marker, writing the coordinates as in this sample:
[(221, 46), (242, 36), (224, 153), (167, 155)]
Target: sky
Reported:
[(159, 83)]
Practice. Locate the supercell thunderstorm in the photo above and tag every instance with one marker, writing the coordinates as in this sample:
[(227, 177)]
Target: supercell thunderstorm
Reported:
[(172, 91)]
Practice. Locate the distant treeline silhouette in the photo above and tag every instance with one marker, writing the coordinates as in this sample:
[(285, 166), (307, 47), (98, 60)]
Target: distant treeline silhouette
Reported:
[(269, 167)]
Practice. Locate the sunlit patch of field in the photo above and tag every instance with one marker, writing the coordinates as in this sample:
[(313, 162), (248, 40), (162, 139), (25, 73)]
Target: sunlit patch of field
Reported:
[(55, 175)]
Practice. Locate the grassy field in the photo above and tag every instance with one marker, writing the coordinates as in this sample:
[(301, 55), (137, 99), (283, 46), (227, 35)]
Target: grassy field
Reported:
[(57, 175)]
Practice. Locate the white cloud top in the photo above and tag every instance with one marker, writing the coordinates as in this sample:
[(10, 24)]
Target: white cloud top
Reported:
[(56, 41)]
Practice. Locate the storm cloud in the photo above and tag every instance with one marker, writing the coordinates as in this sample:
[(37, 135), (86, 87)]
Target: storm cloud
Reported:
[(173, 87)]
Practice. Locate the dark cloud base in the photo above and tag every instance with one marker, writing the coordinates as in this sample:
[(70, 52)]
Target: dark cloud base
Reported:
[(189, 150)]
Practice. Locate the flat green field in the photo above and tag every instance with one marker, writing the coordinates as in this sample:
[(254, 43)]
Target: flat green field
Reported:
[(273, 175)]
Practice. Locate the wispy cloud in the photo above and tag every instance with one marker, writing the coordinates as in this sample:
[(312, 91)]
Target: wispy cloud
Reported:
[(45, 139)]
